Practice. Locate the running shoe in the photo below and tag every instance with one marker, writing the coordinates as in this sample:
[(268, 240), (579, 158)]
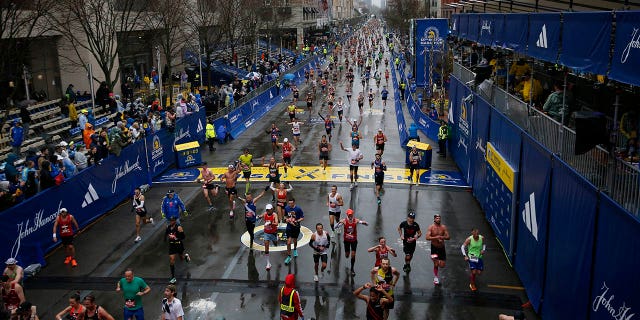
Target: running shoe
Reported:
[(287, 260), (295, 253), (173, 280), (230, 214), (187, 258), (315, 278), (211, 208), (351, 187), (356, 183), (436, 281), (74, 263), (472, 287), (379, 201), (151, 220), (324, 171), (67, 260), (234, 205), (285, 175), (353, 273), (268, 266), (408, 268), (138, 238)]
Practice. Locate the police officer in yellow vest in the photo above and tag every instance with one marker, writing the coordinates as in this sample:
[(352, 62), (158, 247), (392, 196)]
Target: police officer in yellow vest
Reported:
[(402, 86), (443, 136), (210, 134), (289, 298)]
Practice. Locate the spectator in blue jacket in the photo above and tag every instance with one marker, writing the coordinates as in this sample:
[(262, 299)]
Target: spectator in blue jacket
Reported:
[(171, 206), (222, 134), (17, 136)]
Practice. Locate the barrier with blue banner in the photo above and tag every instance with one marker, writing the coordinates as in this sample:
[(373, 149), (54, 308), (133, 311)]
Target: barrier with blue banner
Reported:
[(544, 36), (460, 135), (487, 28), (402, 127), (614, 289), (455, 24), (498, 28), (514, 36), (479, 137), (505, 135), (473, 27), (626, 52), (574, 203), (430, 41), (590, 53), (463, 25), (533, 209)]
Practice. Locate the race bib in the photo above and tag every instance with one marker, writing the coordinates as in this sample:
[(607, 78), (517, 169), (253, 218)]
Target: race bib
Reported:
[(130, 303), (332, 205), (474, 259), (434, 256)]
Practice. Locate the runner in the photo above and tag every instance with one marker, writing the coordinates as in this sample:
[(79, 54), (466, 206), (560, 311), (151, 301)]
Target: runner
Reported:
[(386, 72), (340, 105), (437, 234), (175, 234), (27, 311), (350, 239), (274, 133), (320, 242), (371, 96), (296, 93), (410, 232), (334, 202), (250, 215), (246, 163), (66, 222), (355, 155), (141, 212), (171, 306), (270, 231), (361, 101), (310, 99), (12, 294), (384, 94), (274, 174), (295, 129), (414, 165), (474, 255), (171, 206), (377, 301), (281, 197), (289, 299), (380, 139), (13, 271), (230, 178), (287, 152), (382, 251), (208, 186), (132, 288), (379, 167), (324, 147), (291, 109), (386, 277), (293, 216), (75, 310), (93, 311)]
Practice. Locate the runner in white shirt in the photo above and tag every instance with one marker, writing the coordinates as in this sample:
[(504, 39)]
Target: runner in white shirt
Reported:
[(320, 243), (171, 306), (295, 128), (335, 203), (355, 155), (340, 108)]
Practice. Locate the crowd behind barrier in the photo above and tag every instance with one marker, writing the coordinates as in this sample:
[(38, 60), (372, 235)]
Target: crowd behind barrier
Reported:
[(560, 232)]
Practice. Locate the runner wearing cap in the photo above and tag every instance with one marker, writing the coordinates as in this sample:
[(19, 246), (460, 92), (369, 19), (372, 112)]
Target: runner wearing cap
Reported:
[(379, 139), (474, 255), (171, 206), (66, 222), (437, 234), (230, 178), (250, 215), (287, 153), (13, 271), (410, 232), (350, 238), (270, 231), (246, 163)]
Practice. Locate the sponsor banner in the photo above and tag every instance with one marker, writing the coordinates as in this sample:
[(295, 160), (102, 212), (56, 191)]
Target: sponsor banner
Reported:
[(431, 35), (443, 178), (191, 128), (505, 172), (590, 53), (515, 32), (179, 175), (460, 131), (487, 28), (532, 214), (160, 152), (402, 126), (479, 137), (626, 52), (544, 36)]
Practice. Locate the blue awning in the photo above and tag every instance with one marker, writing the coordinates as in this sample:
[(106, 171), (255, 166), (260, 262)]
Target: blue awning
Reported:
[(626, 52), (586, 38), (544, 36)]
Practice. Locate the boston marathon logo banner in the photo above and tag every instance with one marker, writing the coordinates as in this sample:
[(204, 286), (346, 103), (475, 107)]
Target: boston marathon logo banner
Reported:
[(431, 35)]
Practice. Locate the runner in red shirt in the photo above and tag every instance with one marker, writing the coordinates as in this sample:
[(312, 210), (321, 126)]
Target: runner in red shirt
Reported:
[(382, 251), (350, 239), (66, 222), (270, 231)]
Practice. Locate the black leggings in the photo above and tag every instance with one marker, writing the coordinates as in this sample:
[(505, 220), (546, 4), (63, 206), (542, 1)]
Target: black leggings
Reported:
[(250, 227)]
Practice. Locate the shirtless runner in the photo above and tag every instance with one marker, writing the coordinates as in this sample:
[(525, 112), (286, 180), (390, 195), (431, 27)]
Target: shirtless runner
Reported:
[(230, 178), (437, 233)]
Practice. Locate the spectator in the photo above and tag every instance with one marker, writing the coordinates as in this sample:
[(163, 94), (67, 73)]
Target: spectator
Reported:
[(529, 89), (31, 185), (26, 311), (15, 190), (26, 119), (46, 179), (93, 157), (16, 134), (433, 114), (135, 132), (557, 104), (73, 114), (10, 169), (44, 155), (82, 119), (518, 69), (29, 166), (222, 134), (71, 96), (80, 158), (102, 94), (170, 119), (91, 118), (70, 168), (630, 151), (156, 122), (87, 133), (119, 140)]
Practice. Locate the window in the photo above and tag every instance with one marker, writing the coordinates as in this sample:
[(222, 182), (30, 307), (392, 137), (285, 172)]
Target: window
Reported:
[(267, 2)]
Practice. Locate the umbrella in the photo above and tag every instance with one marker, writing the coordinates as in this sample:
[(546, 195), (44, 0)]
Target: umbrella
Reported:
[(253, 75), (288, 76)]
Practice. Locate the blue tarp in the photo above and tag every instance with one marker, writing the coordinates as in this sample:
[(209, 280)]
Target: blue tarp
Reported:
[(626, 52), (586, 53), (544, 36)]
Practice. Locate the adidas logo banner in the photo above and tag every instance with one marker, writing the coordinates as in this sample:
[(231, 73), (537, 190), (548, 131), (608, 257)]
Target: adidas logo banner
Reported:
[(544, 36), (90, 196)]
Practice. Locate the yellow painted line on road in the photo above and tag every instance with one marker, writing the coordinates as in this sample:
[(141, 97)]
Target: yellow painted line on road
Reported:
[(498, 286), (333, 174)]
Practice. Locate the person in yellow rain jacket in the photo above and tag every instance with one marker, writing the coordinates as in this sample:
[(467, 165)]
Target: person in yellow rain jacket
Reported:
[(210, 134)]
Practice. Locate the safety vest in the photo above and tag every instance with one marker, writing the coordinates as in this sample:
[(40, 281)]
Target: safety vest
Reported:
[(287, 309), (443, 133), (210, 131)]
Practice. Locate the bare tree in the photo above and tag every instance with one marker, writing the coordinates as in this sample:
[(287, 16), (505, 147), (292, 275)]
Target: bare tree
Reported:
[(274, 16), (20, 21), (204, 22), (93, 26), (398, 13)]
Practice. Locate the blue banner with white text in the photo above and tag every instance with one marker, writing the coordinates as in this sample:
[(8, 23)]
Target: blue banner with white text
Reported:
[(431, 36), (586, 53), (544, 36), (533, 209), (506, 136), (460, 128), (479, 137), (626, 52), (574, 203), (487, 28)]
